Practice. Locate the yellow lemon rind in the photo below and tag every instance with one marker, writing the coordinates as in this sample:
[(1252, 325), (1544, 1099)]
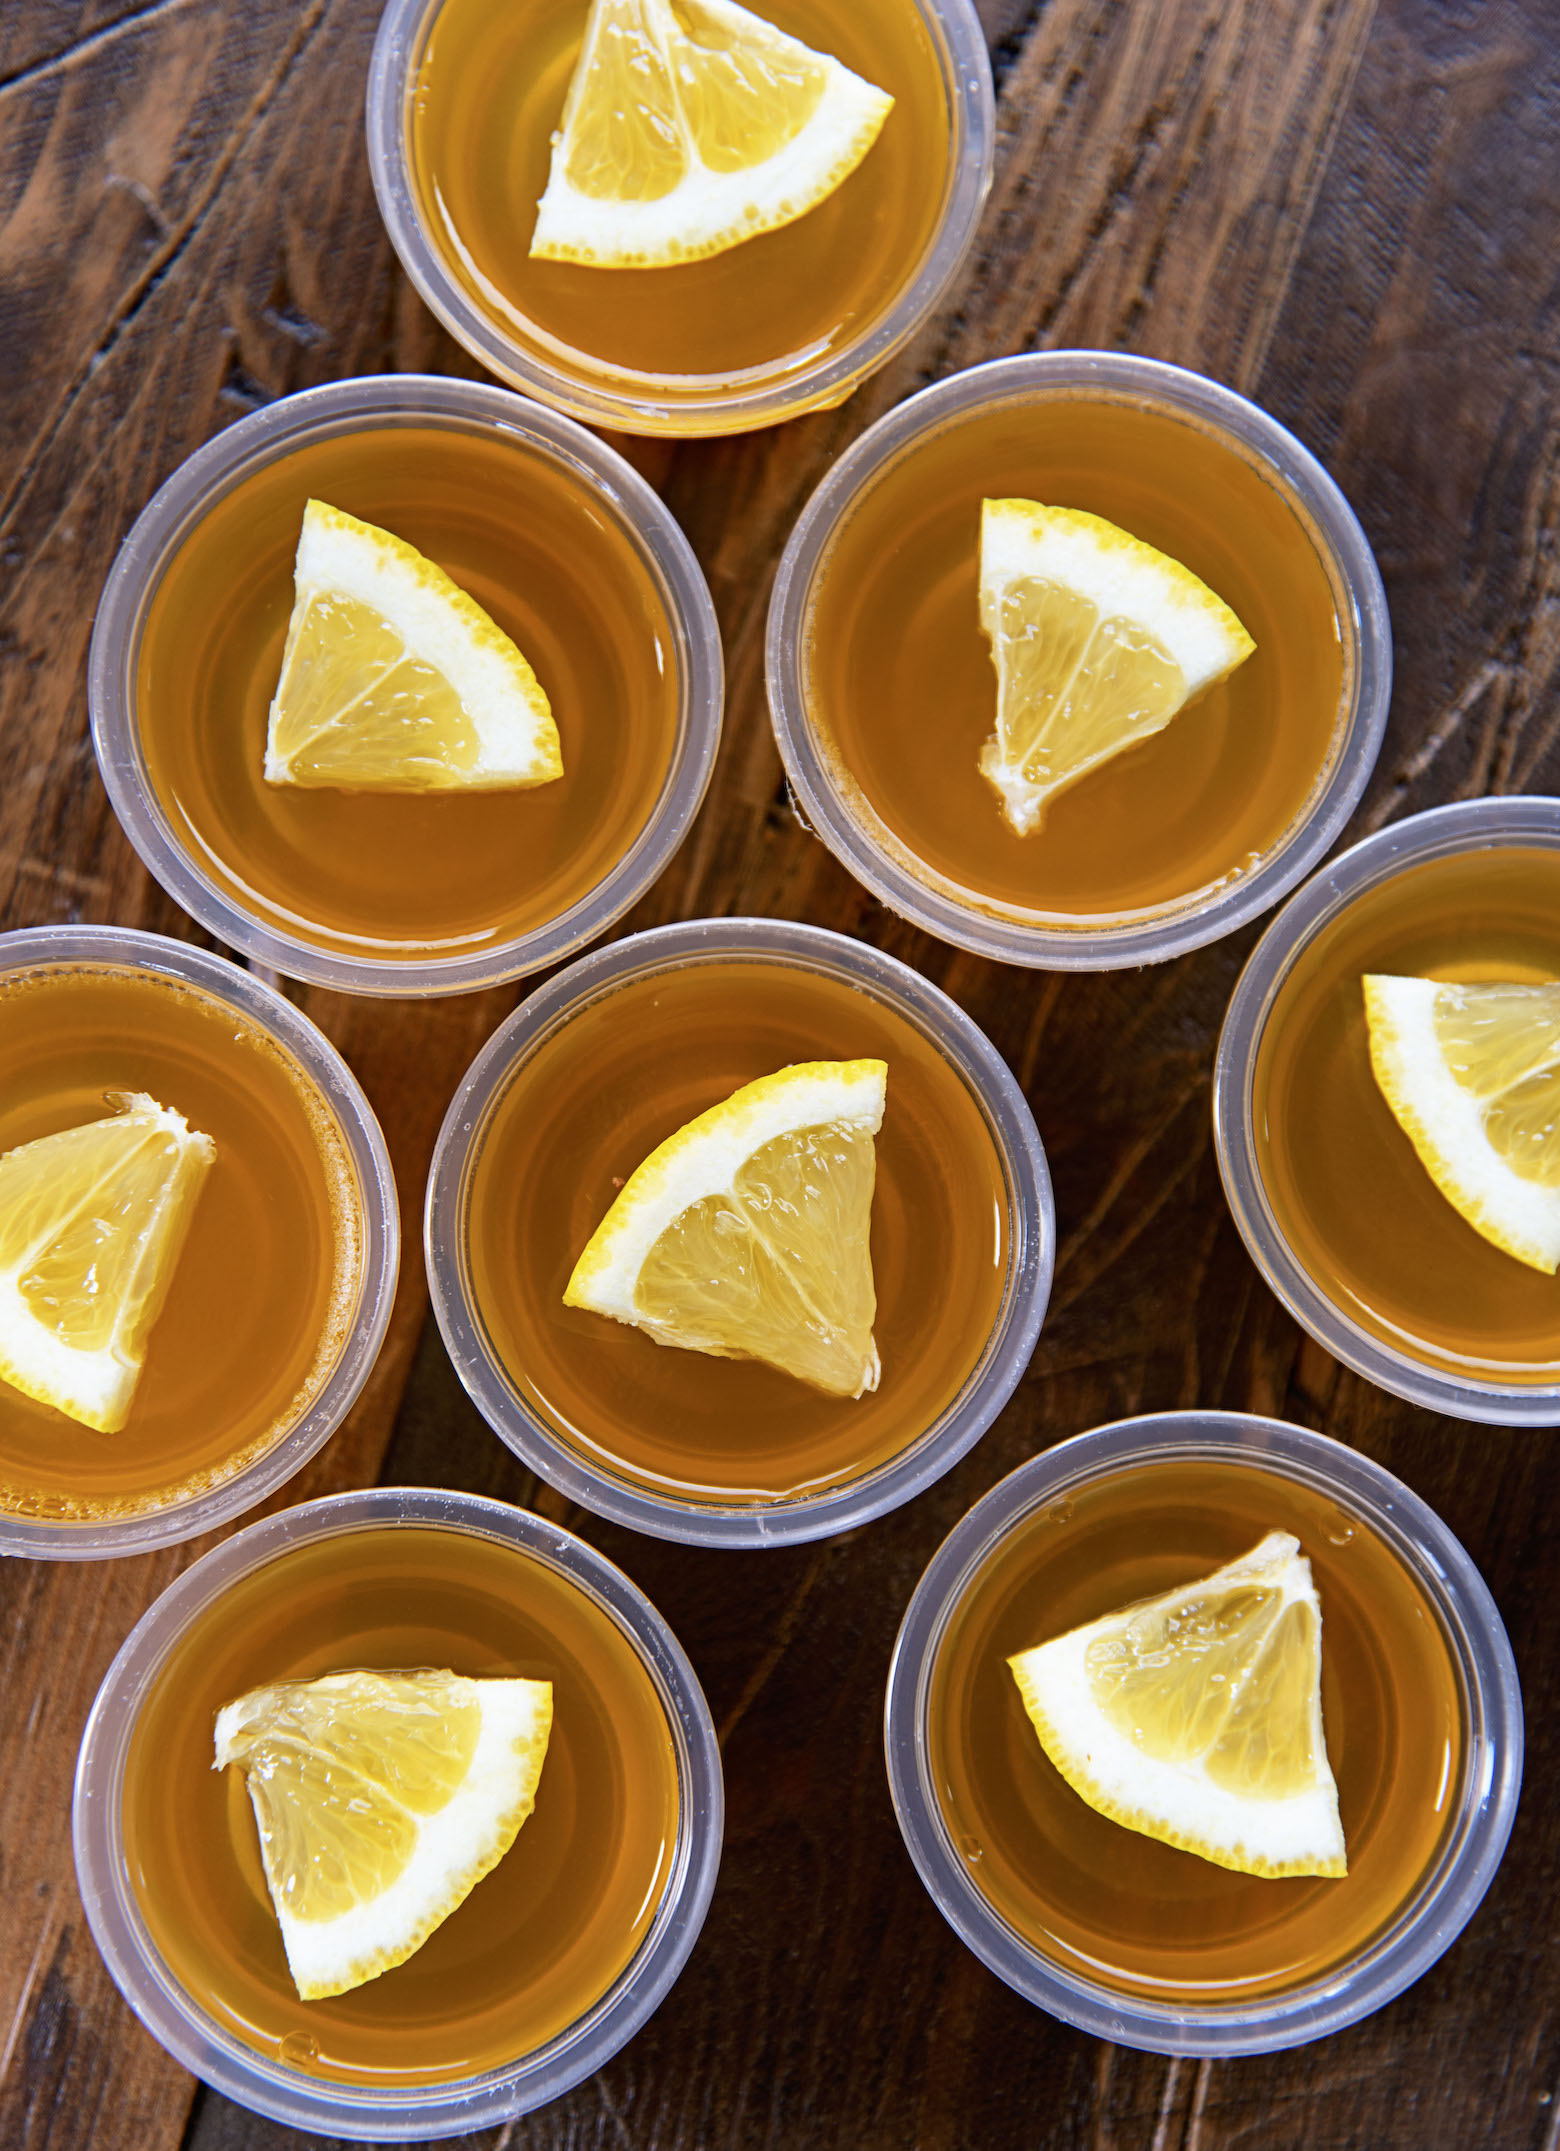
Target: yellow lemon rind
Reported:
[(702, 1159), (327, 1957), (1124, 577), (1238, 1859), (1445, 1124), (97, 1388), (1175, 1801), (709, 212), (1125, 580), (440, 624)]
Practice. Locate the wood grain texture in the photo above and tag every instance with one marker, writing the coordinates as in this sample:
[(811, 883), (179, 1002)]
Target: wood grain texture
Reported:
[(1347, 209)]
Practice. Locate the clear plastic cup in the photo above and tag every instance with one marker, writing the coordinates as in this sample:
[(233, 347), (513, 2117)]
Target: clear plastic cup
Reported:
[(591, 1476), (1442, 834), (1479, 1809), (332, 1083), (837, 808), (605, 394), (213, 888), (175, 2016)]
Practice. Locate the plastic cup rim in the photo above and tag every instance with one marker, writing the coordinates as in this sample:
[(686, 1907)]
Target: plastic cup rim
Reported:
[(1010, 1125), (827, 380), (140, 1532), (1166, 934), (1437, 833), (392, 401), (178, 2022), (1477, 1643)]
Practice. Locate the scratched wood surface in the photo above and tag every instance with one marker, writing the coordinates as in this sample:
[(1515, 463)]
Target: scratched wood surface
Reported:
[(1345, 208)]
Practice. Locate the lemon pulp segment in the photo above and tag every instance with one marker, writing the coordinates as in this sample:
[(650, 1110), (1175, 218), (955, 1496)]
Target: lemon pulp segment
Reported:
[(394, 679), (1196, 1717), (91, 1224), (381, 1800), (691, 125), (747, 1233), (1472, 1074), (1098, 641)]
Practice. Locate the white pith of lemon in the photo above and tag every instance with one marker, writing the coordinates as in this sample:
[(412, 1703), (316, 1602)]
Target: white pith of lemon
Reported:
[(1098, 642), (91, 1224), (691, 125), (381, 1799), (1472, 1074), (1196, 1717), (747, 1233), (394, 679)]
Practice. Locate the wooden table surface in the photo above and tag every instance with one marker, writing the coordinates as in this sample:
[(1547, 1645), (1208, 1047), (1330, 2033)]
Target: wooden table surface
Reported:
[(1346, 209)]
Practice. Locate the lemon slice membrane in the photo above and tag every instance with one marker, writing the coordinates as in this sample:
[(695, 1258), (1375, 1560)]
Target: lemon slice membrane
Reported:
[(395, 679), (691, 125), (92, 1221), (1098, 642), (1196, 1717), (381, 1800), (1472, 1075), (746, 1235)]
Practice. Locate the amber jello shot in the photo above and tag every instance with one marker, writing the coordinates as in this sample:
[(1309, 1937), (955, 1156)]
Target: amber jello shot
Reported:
[(1115, 1657), (457, 555), (1078, 660), (1387, 1109), (198, 1241), (682, 219), (903, 1150), (556, 1954)]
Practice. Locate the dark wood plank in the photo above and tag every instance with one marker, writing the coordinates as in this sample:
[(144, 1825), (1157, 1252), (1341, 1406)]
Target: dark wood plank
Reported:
[(1346, 209)]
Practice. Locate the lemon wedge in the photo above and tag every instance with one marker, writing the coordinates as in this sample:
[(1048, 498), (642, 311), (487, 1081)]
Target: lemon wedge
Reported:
[(691, 125), (1472, 1074), (1098, 641), (394, 680), (382, 1799), (1196, 1717), (91, 1224), (746, 1234)]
